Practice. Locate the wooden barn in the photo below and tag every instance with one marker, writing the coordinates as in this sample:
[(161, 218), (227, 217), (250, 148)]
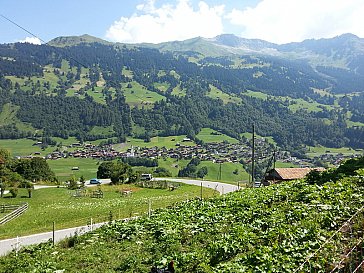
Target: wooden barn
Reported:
[(278, 175)]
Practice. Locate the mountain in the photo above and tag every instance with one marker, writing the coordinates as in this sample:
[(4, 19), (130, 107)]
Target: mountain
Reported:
[(334, 51), (91, 89), (340, 60), (75, 40)]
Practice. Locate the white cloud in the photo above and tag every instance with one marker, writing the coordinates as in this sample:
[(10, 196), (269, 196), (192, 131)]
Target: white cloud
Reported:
[(168, 23), (283, 21), (31, 40)]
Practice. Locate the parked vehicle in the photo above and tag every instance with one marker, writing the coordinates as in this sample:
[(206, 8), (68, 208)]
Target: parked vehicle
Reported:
[(146, 176), (95, 181)]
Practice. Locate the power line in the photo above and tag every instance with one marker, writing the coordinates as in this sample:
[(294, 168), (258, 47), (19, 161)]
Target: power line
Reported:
[(40, 39), (19, 26)]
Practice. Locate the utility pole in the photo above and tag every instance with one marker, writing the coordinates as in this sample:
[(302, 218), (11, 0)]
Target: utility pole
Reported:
[(253, 154), (53, 233), (201, 192), (220, 171), (274, 158)]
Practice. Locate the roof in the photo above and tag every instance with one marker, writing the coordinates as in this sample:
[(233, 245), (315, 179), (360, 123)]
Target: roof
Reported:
[(294, 173)]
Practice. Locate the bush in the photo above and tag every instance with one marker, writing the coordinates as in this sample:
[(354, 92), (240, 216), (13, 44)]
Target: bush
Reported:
[(162, 172), (13, 192)]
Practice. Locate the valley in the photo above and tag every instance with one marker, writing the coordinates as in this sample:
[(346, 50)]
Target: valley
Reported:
[(80, 107)]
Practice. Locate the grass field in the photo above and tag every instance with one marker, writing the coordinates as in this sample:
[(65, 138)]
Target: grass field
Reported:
[(354, 124), (58, 205), (227, 170), (173, 165), (285, 165), (23, 147), (127, 73), (105, 131), (168, 142), (8, 116), (63, 167), (139, 96), (177, 91), (250, 135), (216, 93), (320, 150), (295, 104), (208, 135), (162, 86)]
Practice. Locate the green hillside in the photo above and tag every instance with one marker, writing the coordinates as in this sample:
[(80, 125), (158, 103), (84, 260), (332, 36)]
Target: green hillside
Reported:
[(144, 92), (293, 226)]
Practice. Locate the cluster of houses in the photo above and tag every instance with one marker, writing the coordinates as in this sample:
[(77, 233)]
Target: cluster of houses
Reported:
[(216, 152)]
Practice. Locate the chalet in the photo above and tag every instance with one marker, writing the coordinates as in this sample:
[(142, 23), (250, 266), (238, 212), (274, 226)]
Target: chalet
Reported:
[(278, 175)]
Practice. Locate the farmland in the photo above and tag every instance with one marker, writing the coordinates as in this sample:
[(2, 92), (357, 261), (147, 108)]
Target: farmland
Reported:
[(272, 229), (87, 168), (59, 205)]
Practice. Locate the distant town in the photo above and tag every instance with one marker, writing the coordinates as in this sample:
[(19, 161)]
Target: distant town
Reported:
[(215, 152)]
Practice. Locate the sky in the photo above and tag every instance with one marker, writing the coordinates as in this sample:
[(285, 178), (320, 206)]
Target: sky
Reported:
[(156, 21)]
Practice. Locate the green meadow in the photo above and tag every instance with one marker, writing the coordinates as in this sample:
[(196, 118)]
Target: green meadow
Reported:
[(168, 142), (139, 96), (320, 150), (60, 206), (87, 167), (177, 91), (216, 93), (23, 147), (227, 172), (208, 135)]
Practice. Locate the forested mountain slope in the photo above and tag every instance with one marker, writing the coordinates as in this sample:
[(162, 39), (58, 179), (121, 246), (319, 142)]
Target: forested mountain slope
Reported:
[(88, 86)]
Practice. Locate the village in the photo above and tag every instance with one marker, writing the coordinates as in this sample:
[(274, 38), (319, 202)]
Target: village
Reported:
[(218, 152)]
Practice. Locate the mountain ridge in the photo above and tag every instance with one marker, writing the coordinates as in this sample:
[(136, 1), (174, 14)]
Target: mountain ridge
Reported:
[(167, 92), (338, 51)]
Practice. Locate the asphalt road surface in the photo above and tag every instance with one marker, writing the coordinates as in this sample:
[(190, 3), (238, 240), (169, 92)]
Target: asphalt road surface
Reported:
[(220, 187), (16, 243)]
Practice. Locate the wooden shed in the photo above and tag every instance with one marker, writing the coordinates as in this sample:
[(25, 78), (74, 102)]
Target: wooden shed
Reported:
[(278, 175)]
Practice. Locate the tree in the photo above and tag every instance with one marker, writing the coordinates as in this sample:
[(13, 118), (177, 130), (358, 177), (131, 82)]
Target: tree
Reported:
[(30, 187), (162, 172), (105, 169), (118, 172), (82, 180), (72, 183), (2, 187), (121, 172), (202, 172), (34, 169), (14, 192)]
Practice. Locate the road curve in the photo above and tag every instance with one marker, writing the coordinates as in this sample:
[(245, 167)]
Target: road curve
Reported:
[(219, 186)]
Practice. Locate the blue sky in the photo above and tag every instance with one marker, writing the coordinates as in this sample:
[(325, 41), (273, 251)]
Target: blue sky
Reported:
[(155, 21)]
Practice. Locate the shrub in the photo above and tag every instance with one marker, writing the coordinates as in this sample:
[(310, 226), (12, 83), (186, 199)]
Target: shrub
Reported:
[(13, 192)]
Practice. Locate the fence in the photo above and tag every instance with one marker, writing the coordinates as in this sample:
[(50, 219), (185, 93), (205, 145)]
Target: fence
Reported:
[(16, 210), (346, 249)]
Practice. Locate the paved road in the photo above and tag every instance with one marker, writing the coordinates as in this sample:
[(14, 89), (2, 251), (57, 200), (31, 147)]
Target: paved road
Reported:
[(220, 187), (12, 244)]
